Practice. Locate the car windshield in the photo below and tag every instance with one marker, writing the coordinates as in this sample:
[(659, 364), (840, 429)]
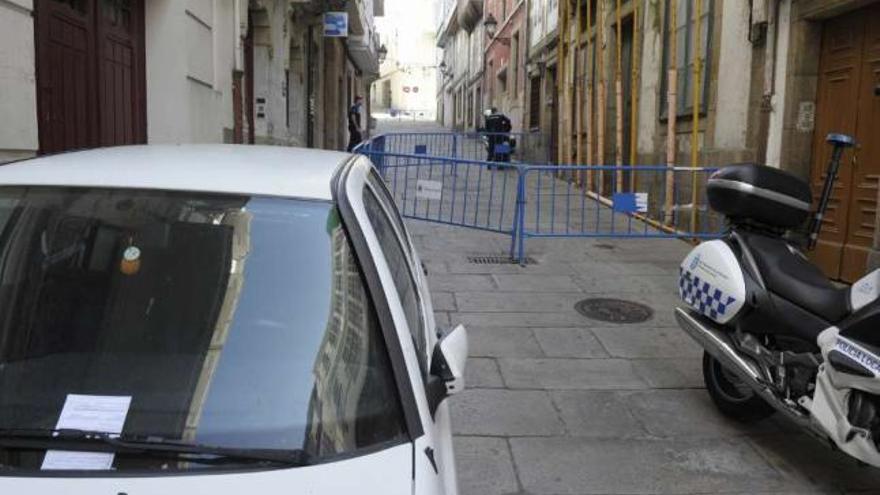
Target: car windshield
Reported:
[(230, 321)]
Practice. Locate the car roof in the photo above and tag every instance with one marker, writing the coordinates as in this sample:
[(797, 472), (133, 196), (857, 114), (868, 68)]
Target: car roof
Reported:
[(224, 168)]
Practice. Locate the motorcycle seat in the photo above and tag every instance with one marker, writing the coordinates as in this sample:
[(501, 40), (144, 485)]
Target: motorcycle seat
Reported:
[(788, 274)]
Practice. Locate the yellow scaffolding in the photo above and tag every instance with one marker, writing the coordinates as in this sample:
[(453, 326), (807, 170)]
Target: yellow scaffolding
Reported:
[(697, 107)]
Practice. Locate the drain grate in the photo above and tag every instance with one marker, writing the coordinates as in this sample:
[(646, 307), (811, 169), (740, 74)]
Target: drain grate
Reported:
[(609, 247), (498, 259), (614, 310)]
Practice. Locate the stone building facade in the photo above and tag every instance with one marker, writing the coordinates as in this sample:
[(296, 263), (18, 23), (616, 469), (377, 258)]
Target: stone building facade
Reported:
[(775, 76), (82, 73)]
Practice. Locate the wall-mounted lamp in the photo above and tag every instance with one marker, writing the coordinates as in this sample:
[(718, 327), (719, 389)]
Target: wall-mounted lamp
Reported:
[(491, 26), (382, 53)]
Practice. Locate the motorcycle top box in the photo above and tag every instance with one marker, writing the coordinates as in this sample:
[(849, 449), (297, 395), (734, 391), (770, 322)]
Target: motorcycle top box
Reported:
[(757, 193)]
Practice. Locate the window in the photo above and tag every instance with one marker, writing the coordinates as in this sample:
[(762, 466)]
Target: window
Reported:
[(535, 103), (381, 190), (686, 54), (592, 14), (401, 272), (514, 61), (502, 80), (470, 108)]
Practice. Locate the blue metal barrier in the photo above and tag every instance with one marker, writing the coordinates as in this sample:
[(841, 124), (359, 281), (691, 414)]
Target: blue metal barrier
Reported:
[(556, 203), (538, 200), (526, 147)]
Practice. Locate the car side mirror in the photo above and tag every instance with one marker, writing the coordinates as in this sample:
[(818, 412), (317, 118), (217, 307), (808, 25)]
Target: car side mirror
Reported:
[(447, 367)]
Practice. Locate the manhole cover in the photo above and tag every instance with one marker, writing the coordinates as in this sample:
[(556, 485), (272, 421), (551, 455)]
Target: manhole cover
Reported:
[(498, 260), (614, 310)]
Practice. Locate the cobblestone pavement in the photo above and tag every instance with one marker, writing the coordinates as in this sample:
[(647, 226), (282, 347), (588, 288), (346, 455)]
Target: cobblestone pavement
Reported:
[(561, 404)]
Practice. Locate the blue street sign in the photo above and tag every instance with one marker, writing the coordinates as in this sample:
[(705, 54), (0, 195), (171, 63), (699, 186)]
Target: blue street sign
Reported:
[(336, 24)]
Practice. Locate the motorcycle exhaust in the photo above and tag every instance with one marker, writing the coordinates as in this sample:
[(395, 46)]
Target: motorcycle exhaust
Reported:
[(718, 344)]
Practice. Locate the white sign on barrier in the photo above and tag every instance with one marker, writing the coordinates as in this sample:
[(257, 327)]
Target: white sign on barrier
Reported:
[(642, 202), (429, 189)]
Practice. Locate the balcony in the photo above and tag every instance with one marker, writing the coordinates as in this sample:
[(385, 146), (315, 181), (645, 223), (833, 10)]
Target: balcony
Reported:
[(470, 13)]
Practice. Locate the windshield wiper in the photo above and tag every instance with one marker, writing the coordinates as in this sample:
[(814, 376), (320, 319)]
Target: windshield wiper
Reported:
[(79, 440)]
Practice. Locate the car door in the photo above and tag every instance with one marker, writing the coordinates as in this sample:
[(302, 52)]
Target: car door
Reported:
[(435, 462)]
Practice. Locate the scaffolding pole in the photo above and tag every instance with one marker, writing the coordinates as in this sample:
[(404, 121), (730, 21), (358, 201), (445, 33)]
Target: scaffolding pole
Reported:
[(590, 61), (672, 107), (601, 102), (560, 84), (618, 113), (697, 107), (634, 90), (579, 90)]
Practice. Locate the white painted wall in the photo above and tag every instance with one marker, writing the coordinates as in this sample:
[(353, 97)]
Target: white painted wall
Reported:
[(543, 18), (651, 73), (18, 99), (271, 59), (777, 102), (731, 117), (190, 56)]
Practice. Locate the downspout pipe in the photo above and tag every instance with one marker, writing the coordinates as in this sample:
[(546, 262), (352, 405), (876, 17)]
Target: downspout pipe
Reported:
[(770, 52)]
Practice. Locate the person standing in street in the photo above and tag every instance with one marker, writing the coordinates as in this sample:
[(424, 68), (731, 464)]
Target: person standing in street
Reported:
[(354, 123)]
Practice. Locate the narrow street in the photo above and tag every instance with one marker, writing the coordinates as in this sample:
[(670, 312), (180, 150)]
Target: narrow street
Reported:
[(561, 404)]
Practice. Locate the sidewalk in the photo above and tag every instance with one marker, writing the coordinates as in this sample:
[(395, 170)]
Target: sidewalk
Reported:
[(561, 404)]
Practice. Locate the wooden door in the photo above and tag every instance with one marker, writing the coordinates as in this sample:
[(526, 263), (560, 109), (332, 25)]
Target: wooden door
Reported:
[(66, 100), (626, 63), (90, 73), (551, 93), (849, 72), (120, 66)]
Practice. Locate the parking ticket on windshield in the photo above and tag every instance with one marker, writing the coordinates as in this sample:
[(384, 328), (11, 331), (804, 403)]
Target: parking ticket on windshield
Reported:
[(98, 413)]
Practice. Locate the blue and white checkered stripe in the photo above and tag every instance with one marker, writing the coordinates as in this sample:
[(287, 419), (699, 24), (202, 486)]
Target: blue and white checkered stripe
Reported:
[(700, 295)]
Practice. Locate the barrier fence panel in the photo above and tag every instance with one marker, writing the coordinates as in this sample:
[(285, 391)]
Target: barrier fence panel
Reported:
[(556, 203), (523, 147), (465, 193), (441, 177)]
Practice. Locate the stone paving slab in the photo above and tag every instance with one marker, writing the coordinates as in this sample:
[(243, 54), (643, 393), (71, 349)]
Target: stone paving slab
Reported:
[(449, 283), (637, 342), (483, 373), (566, 465), (670, 373), (571, 374), (487, 462), (510, 413), (597, 414), (503, 342), (570, 343), (535, 283)]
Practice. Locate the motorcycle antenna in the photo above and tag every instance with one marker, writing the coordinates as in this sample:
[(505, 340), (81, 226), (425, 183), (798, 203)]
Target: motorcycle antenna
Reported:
[(840, 142)]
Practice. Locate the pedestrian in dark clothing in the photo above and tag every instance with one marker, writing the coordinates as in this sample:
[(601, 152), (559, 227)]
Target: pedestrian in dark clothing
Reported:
[(354, 123), (498, 128)]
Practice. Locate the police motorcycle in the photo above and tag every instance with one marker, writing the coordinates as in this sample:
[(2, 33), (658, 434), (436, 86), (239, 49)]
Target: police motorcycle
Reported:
[(779, 337), (496, 137)]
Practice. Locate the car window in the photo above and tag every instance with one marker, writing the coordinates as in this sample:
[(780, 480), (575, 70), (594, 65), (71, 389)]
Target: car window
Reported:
[(381, 190), (401, 271), (232, 321)]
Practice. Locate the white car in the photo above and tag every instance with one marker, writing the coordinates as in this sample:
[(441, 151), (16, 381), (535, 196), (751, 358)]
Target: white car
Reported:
[(217, 319)]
